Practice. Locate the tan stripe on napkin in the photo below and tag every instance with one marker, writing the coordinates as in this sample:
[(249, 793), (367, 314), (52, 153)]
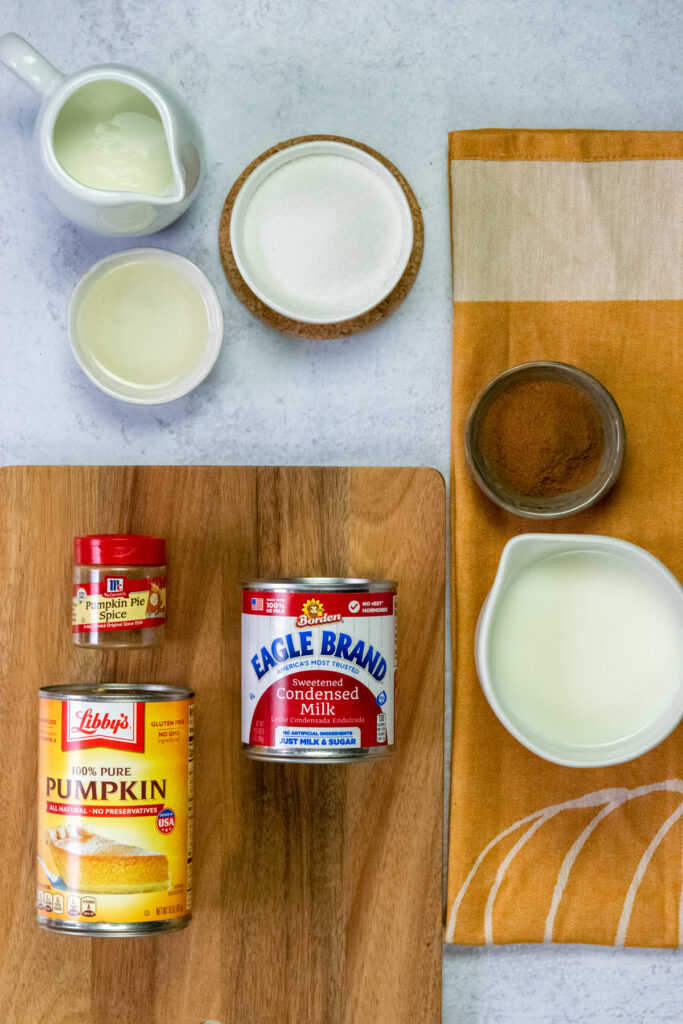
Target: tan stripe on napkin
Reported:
[(578, 217), (567, 245)]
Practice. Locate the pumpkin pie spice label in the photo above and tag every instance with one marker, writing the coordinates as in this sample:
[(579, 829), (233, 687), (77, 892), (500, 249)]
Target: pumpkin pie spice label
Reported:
[(118, 602), (114, 811)]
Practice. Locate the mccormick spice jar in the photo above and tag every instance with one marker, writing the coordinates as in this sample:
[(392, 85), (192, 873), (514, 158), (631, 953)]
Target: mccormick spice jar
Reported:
[(318, 669), (115, 808), (119, 590)]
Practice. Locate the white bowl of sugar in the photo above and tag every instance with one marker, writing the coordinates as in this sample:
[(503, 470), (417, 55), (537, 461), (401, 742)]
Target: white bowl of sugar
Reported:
[(321, 231)]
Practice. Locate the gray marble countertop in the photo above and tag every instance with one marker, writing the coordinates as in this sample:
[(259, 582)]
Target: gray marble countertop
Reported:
[(398, 75)]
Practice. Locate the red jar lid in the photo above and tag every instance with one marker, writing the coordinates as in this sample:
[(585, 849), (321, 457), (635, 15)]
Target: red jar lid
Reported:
[(119, 549)]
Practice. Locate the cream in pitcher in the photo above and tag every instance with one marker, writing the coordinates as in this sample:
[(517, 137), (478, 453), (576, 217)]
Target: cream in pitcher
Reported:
[(110, 136), (119, 151)]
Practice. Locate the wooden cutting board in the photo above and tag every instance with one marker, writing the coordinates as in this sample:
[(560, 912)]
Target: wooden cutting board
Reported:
[(317, 888)]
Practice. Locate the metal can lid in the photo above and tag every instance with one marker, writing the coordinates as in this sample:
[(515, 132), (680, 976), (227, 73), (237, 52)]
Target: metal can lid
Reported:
[(116, 692), (119, 549), (322, 583)]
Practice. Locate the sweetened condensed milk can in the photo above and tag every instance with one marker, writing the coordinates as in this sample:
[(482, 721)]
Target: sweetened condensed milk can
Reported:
[(115, 781), (318, 669)]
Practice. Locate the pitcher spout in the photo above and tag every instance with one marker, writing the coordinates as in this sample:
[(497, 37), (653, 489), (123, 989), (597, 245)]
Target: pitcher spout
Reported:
[(182, 142), (186, 162)]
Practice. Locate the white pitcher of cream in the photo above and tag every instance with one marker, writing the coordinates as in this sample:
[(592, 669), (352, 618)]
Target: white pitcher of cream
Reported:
[(119, 151), (579, 647)]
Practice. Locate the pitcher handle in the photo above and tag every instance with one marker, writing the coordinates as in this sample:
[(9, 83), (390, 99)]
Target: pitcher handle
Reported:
[(29, 65)]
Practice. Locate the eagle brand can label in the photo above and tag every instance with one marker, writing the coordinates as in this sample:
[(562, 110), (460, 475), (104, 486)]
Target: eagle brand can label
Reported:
[(318, 673), (115, 809)]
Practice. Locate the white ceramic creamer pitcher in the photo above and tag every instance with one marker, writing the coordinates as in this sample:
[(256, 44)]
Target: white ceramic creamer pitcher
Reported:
[(120, 153), (579, 647)]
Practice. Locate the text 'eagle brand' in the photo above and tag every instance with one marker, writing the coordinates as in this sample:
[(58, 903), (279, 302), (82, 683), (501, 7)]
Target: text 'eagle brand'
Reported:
[(311, 691), (338, 645)]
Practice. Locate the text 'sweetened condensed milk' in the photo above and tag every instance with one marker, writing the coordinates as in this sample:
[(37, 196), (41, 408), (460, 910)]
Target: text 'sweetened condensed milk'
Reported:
[(115, 808), (318, 669)]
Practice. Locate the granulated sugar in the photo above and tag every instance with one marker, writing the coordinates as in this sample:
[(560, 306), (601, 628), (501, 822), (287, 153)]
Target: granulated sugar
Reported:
[(323, 237)]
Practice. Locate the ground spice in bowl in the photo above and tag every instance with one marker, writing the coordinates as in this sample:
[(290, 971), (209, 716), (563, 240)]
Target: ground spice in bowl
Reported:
[(542, 438), (545, 440)]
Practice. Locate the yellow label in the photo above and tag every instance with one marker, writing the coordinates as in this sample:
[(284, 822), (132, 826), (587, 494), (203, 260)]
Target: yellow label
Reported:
[(116, 602), (114, 810)]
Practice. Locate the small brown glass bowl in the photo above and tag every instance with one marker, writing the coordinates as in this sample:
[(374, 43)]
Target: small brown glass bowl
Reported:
[(562, 504)]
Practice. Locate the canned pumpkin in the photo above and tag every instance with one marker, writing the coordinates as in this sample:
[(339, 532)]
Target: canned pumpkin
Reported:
[(115, 779)]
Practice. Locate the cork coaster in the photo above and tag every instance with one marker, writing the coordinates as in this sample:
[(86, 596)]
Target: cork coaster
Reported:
[(344, 328)]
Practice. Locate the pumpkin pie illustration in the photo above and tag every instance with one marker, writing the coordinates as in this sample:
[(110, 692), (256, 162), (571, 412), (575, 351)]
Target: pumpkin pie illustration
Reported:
[(93, 863), (156, 603)]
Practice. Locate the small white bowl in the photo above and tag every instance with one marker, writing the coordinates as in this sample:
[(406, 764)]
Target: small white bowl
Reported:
[(257, 277), (519, 554), (148, 394)]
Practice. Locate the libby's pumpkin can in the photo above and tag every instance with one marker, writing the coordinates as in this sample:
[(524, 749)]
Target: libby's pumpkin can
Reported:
[(115, 788)]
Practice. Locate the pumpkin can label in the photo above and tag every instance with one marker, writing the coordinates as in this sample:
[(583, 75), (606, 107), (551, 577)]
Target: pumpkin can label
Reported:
[(114, 842)]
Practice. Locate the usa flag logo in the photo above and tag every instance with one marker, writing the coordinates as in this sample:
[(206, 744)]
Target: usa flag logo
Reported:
[(257, 604)]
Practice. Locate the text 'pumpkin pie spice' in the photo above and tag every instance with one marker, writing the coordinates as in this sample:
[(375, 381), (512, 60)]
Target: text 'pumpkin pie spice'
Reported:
[(119, 590), (115, 787)]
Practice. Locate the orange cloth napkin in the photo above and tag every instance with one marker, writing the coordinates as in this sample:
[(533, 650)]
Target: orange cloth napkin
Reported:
[(566, 245)]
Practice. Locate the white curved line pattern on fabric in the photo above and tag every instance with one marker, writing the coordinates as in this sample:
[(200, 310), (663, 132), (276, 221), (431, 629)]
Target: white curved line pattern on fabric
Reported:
[(500, 876), (608, 800), (567, 865), (639, 874)]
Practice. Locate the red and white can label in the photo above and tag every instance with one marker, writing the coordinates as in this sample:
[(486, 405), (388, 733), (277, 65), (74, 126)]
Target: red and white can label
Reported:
[(318, 669)]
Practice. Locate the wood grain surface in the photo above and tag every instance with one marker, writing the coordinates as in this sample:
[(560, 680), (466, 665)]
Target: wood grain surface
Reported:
[(317, 888)]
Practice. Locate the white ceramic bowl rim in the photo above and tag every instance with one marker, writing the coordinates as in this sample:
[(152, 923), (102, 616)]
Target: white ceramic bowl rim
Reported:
[(191, 271), (615, 753), (295, 152)]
